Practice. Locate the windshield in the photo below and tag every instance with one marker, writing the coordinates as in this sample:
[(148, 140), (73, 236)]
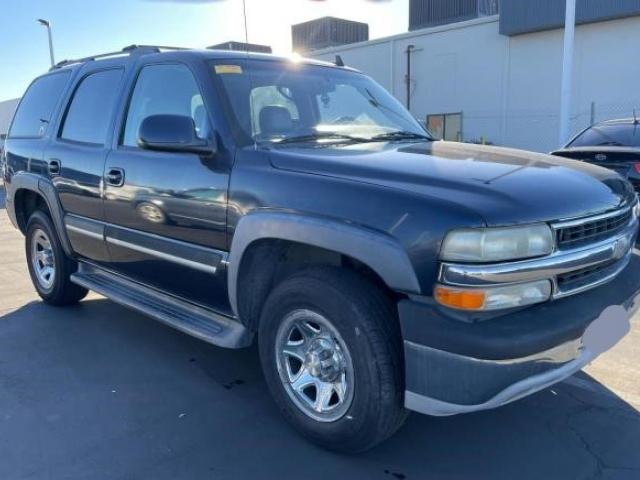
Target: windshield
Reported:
[(287, 102)]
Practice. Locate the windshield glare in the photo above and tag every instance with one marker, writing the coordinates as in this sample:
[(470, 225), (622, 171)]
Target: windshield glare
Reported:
[(273, 101)]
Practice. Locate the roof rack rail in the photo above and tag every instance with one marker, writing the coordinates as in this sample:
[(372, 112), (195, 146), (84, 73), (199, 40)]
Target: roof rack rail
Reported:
[(129, 50)]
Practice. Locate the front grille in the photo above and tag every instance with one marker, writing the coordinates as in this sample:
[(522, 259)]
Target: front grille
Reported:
[(590, 231), (571, 279), (589, 277)]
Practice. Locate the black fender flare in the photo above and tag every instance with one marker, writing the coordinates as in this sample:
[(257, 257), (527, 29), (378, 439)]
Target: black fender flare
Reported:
[(43, 187), (379, 251)]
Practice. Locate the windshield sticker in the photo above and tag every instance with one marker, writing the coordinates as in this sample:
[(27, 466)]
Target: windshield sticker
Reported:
[(228, 69)]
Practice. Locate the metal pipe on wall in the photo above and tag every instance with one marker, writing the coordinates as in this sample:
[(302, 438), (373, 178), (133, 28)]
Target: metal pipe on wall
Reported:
[(408, 75)]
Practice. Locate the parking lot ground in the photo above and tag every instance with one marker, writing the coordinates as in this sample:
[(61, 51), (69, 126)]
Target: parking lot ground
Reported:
[(99, 392)]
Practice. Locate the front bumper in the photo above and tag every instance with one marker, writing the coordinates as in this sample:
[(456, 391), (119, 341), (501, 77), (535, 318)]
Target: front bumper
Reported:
[(455, 367)]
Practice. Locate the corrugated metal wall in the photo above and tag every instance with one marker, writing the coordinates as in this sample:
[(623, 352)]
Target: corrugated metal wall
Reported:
[(429, 13), (327, 32), (525, 16)]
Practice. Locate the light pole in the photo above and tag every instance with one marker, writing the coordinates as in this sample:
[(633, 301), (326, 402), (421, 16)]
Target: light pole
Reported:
[(567, 71), (45, 23)]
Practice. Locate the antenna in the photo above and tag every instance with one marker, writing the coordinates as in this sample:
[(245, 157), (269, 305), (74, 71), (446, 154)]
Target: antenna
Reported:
[(339, 62), (246, 29), (246, 51), (635, 118)]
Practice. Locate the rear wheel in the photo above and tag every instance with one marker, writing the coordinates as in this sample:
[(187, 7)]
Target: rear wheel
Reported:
[(49, 266), (332, 356)]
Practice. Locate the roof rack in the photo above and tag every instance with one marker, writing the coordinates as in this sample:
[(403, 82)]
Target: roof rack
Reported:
[(129, 50)]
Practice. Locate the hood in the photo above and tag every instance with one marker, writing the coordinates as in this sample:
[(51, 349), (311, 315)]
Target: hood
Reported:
[(504, 186)]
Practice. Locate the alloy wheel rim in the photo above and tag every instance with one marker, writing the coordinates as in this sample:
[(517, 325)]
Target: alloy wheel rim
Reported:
[(43, 259), (315, 365)]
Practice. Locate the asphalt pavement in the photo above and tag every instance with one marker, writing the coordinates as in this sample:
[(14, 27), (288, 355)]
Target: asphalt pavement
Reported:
[(96, 391)]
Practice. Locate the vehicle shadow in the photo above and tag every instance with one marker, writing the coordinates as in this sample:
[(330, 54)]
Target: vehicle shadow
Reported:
[(98, 391)]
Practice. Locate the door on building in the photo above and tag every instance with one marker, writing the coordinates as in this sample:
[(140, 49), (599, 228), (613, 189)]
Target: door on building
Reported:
[(447, 126)]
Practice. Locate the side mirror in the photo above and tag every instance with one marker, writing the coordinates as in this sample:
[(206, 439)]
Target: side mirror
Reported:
[(172, 133)]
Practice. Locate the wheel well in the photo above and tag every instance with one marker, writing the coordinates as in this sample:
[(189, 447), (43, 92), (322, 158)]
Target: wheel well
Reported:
[(267, 262), (26, 202)]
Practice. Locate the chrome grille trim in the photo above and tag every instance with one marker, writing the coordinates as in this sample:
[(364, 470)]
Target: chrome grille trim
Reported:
[(592, 218)]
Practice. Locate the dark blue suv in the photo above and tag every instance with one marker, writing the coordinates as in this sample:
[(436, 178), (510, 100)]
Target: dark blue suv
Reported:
[(241, 197)]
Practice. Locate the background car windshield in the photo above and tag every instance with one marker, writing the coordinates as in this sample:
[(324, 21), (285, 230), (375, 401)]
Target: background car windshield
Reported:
[(613, 135), (270, 101)]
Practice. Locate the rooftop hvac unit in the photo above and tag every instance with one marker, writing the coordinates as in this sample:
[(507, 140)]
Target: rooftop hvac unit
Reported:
[(327, 32)]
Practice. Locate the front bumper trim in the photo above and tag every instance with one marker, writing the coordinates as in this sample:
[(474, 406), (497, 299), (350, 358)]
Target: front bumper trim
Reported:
[(432, 406), (602, 334)]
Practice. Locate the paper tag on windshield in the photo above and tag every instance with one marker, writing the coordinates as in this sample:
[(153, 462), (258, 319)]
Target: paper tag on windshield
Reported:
[(228, 69)]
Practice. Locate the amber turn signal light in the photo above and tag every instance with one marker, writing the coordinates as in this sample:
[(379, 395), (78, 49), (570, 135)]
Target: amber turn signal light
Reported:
[(461, 299)]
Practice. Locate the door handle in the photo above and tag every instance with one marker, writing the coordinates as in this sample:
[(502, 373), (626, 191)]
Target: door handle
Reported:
[(54, 166), (115, 177)]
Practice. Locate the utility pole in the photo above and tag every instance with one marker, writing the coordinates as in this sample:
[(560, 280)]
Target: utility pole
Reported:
[(567, 71), (45, 23)]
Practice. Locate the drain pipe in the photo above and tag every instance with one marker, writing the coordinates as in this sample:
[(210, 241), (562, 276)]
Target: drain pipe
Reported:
[(407, 77)]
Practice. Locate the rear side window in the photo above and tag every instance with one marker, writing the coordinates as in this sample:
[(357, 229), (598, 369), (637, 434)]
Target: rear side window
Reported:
[(91, 108), (37, 105), (611, 135)]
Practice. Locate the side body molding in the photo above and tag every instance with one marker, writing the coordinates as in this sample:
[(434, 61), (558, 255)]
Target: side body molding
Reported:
[(43, 187), (378, 251)]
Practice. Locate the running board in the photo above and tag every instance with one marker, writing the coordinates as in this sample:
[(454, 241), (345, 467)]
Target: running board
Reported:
[(184, 316)]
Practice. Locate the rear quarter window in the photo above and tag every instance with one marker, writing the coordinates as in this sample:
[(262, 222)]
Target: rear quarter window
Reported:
[(37, 105)]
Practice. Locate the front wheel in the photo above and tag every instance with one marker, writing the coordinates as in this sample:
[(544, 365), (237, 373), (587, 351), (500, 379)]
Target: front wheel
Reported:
[(331, 353), (49, 266)]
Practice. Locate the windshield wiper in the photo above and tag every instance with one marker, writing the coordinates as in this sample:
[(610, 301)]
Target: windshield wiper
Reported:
[(312, 137), (399, 135), (382, 137)]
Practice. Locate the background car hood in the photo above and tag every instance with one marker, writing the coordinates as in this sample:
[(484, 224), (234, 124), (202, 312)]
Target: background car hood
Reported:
[(504, 186)]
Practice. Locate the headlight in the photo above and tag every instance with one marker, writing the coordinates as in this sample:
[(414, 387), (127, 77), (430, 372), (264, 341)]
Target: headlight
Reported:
[(493, 298), (480, 245)]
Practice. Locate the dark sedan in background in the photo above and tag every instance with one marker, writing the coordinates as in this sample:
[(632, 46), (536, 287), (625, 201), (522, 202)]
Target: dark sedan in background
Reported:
[(614, 144)]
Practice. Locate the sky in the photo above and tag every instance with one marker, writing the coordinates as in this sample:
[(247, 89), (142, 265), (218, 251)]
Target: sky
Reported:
[(86, 27)]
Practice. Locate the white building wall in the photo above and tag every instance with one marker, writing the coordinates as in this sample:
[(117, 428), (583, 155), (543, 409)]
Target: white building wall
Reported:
[(508, 88), (6, 113)]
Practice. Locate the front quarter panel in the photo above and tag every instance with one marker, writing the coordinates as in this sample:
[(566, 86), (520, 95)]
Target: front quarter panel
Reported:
[(415, 223)]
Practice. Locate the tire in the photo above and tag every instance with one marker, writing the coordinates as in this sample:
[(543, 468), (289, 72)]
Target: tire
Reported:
[(357, 324), (43, 250)]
